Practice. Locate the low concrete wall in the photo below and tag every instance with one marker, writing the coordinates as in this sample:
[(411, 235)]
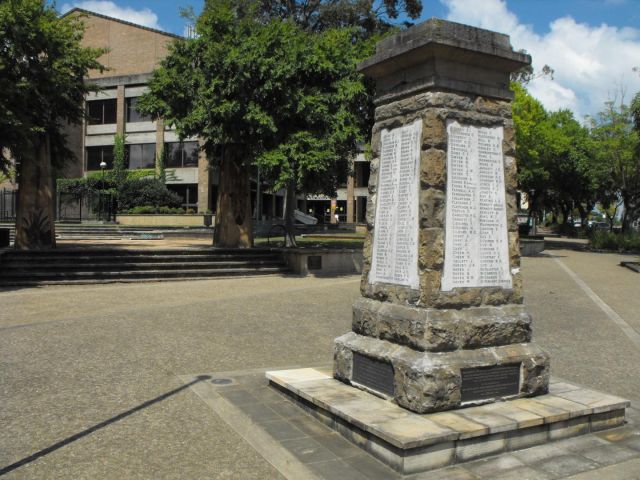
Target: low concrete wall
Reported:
[(194, 220), (321, 262), (530, 247)]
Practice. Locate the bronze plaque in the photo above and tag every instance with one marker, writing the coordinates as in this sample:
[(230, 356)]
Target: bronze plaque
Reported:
[(483, 383), (372, 373)]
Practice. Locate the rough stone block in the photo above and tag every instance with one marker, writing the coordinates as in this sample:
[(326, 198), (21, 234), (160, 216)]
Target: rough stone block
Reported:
[(432, 381), (433, 168), (432, 202), (431, 248), (434, 131), (510, 172), (440, 330)]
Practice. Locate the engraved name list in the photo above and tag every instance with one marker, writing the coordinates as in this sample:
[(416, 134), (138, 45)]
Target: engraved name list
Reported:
[(395, 239), (476, 243)]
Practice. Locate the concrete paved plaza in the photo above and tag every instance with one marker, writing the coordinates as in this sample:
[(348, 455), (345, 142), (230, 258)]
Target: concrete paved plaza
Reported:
[(165, 380)]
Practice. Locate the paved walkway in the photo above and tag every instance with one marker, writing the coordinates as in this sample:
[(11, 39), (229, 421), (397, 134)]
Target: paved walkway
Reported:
[(97, 381)]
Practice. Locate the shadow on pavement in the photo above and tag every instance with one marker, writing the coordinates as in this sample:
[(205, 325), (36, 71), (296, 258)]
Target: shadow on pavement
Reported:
[(90, 430)]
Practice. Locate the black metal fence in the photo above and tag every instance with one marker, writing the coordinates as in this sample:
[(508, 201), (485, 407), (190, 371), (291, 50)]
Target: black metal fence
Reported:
[(97, 206), (69, 207), (7, 205)]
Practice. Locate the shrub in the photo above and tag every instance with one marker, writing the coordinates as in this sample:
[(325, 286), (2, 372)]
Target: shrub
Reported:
[(85, 186), (97, 181), (119, 171), (146, 192), (151, 209), (605, 240)]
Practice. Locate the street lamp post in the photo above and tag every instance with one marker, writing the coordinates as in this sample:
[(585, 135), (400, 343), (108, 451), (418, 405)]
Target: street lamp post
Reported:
[(103, 165)]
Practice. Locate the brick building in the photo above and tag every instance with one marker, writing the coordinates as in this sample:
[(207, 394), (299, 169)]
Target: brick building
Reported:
[(134, 52)]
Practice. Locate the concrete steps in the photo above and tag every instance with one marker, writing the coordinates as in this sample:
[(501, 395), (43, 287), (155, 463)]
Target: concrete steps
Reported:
[(98, 231), (101, 265)]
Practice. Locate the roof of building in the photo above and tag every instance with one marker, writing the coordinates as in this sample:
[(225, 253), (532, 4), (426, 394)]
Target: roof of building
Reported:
[(89, 12)]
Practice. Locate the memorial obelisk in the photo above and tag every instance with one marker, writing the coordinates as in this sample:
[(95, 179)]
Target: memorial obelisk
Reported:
[(441, 323), (440, 335)]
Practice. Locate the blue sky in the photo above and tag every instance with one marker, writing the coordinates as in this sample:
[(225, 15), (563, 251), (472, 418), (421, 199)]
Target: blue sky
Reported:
[(591, 44)]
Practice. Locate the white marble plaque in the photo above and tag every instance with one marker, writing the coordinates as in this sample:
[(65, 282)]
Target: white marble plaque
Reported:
[(395, 240), (476, 243)]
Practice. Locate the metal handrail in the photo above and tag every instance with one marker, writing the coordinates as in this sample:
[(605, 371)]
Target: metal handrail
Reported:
[(284, 233)]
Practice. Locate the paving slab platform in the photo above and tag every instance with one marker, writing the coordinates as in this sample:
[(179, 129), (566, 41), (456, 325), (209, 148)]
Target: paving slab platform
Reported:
[(411, 443)]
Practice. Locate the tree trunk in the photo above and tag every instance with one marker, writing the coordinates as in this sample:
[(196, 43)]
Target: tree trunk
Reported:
[(626, 218), (233, 227), (583, 215), (35, 228), (565, 209), (289, 219)]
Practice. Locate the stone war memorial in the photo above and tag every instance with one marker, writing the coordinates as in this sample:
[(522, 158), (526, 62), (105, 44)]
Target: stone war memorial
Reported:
[(440, 366)]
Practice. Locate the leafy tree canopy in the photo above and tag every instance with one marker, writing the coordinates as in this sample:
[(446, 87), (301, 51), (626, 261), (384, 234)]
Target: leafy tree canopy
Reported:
[(617, 145), (288, 98), (273, 88), (274, 82), (529, 117), (42, 71), (555, 156), (319, 15)]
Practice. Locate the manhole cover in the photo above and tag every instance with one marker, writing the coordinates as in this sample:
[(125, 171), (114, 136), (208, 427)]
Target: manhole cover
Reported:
[(222, 381)]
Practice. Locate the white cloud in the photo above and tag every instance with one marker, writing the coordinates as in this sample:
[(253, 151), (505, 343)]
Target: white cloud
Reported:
[(591, 62), (144, 16)]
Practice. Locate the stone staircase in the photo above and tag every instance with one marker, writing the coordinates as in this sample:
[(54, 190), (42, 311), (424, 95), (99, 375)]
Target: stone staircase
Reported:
[(98, 231), (106, 265)]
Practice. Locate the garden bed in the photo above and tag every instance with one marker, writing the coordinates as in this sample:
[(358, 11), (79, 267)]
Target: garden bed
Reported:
[(165, 220)]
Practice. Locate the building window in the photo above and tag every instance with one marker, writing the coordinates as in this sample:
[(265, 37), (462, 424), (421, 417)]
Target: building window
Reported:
[(142, 155), (96, 155), (188, 193), (101, 112), (181, 154), (132, 113)]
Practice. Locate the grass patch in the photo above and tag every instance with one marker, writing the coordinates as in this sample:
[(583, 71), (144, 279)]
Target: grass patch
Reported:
[(315, 242)]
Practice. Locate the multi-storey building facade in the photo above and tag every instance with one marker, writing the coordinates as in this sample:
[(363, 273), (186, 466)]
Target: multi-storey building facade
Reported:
[(133, 53)]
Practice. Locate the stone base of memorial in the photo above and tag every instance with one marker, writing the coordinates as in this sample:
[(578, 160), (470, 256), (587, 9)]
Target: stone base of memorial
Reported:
[(410, 442), (428, 360)]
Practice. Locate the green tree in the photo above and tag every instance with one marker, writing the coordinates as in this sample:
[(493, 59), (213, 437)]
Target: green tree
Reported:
[(265, 93), (161, 163), (570, 162), (42, 88), (617, 145), (530, 120), (119, 158), (369, 17)]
